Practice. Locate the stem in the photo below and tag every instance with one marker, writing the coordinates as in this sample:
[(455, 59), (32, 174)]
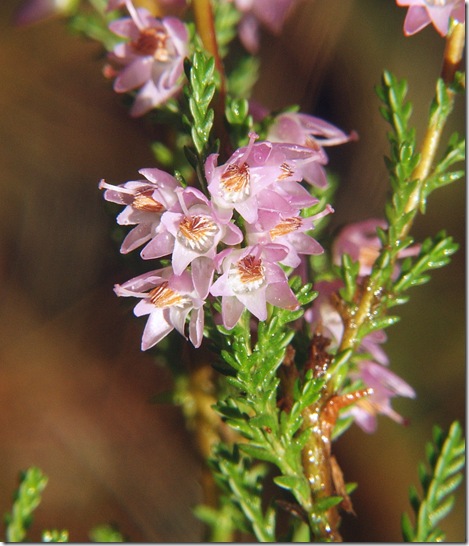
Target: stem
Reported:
[(372, 289), (451, 60)]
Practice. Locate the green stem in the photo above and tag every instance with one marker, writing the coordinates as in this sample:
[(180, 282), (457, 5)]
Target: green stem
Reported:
[(373, 287)]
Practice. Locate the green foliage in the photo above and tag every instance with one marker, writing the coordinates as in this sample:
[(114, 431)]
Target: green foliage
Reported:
[(241, 483), (439, 479), (93, 22), (226, 22), (55, 536), (106, 533), (273, 435), (237, 115), (434, 253), (26, 500), (441, 176), (199, 92)]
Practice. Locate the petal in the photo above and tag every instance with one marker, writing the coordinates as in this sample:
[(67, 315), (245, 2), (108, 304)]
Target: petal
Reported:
[(281, 295), (155, 330), (161, 245), (416, 19), (134, 75), (202, 275), (136, 237), (231, 309)]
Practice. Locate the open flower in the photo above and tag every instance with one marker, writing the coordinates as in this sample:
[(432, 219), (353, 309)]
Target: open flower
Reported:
[(152, 58), (438, 12), (252, 278), (289, 231), (191, 230), (262, 175), (311, 132), (386, 385), (168, 300), (145, 202)]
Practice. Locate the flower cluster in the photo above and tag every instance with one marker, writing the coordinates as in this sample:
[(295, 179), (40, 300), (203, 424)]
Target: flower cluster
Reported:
[(237, 243), (150, 59), (361, 242)]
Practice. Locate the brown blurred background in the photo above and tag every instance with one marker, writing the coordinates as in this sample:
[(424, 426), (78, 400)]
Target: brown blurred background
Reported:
[(74, 387)]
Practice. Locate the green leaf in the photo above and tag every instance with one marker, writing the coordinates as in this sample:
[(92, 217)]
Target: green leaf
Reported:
[(27, 499), (438, 484), (106, 533)]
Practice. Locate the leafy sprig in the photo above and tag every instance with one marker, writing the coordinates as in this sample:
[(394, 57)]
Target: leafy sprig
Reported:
[(27, 499), (439, 479)]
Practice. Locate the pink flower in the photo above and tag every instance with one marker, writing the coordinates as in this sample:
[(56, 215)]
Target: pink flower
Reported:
[(438, 12), (191, 230), (252, 278), (361, 242), (262, 175), (312, 132), (152, 58), (289, 231), (269, 13), (168, 300), (145, 202), (386, 385)]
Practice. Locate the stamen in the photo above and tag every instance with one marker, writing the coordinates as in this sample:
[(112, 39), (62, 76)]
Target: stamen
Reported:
[(197, 232), (287, 171), (152, 41), (144, 201), (287, 226), (247, 275), (161, 296), (235, 183)]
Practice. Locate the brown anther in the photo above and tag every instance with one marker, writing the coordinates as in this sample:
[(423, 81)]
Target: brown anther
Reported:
[(285, 227), (163, 296), (250, 269), (287, 171), (152, 41), (198, 230), (144, 201), (312, 143), (236, 178)]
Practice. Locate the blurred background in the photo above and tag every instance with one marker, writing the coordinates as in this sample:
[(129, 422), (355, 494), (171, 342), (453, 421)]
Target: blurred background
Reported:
[(74, 386)]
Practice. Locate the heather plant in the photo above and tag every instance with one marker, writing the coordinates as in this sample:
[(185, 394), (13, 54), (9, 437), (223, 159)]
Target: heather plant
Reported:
[(227, 231)]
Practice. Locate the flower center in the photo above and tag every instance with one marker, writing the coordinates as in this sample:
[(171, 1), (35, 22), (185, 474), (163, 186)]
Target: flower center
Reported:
[(287, 226), (152, 41), (144, 201), (247, 275), (235, 183), (197, 232), (287, 171), (162, 296)]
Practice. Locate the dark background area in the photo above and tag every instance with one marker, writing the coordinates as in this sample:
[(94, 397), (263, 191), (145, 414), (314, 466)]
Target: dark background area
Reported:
[(74, 386)]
